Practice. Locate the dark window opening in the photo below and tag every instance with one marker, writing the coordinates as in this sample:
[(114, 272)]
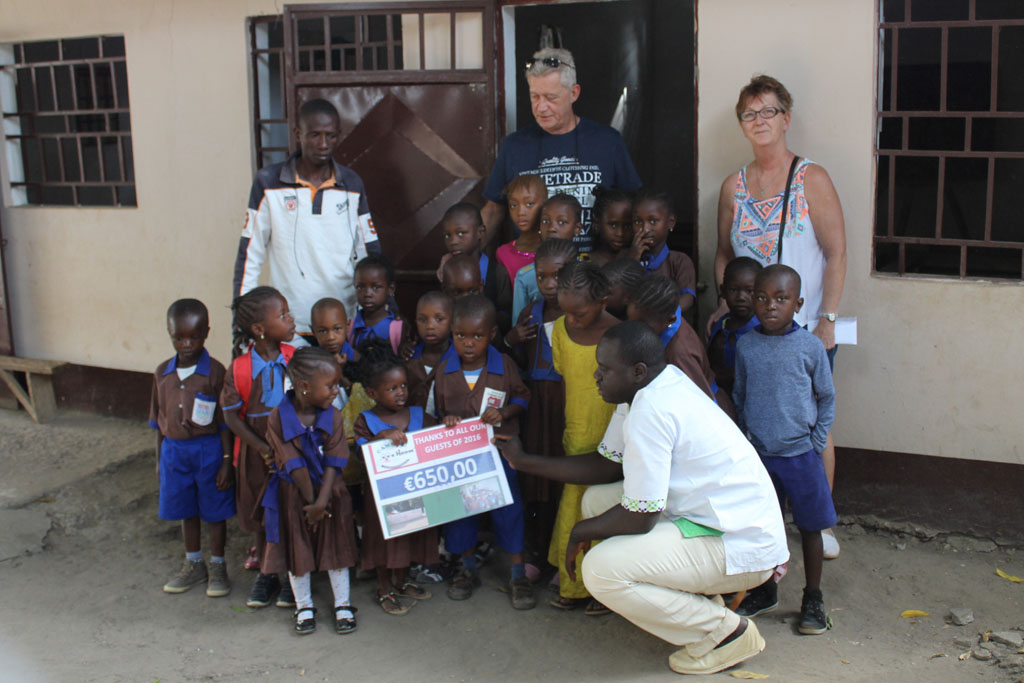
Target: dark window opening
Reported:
[(950, 139), (69, 123)]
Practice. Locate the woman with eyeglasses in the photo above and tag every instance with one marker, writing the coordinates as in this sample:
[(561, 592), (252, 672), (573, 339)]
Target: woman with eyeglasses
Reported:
[(750, 209)]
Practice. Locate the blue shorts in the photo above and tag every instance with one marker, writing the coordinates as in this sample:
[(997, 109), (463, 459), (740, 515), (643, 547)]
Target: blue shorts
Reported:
[(508, 524), (188, 480), (802, 480)]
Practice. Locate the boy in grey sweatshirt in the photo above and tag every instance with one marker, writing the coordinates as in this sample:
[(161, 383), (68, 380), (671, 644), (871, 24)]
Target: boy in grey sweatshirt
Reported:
[(785, 403)]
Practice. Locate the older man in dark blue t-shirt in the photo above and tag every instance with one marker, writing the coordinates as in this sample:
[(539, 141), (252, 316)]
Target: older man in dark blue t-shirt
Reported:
[(572, 154)]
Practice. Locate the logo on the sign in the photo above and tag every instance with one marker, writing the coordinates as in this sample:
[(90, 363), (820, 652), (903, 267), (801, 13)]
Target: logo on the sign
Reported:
[(388, 456)]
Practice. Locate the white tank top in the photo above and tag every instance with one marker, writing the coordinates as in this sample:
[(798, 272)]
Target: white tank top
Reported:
[(755, 232)]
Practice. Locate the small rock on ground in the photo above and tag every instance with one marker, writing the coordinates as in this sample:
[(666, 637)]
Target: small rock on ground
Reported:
[(981, 654), (1010, 638), (1011, 662), (964, 642), (961, 616)]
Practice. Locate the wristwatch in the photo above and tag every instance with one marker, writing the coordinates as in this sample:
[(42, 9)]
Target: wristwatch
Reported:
[(831, 317)]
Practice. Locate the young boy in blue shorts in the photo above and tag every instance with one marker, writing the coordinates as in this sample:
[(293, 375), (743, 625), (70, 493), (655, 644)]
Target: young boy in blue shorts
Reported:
[(474, 379), (193, 448), (785, 403)]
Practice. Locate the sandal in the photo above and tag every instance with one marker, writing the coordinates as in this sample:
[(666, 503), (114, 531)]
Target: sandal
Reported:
[(413, 590), (389, 603), (345, 625), (305, 626), (251, 560), (563, 603), (596, 609)]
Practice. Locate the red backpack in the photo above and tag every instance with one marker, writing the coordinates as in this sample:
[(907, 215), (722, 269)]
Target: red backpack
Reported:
[(241, 368)]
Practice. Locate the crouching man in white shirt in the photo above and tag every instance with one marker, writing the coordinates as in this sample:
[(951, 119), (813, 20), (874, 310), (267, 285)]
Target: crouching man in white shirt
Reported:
[(680, 501)]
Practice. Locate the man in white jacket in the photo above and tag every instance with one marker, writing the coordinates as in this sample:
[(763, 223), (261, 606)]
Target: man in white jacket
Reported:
[(308, 218)]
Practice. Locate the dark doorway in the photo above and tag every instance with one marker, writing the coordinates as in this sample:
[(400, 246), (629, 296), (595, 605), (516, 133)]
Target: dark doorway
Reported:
[(634, 57)]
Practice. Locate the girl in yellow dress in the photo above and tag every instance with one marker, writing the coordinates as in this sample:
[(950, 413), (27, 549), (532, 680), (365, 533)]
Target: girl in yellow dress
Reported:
[(582, 294)]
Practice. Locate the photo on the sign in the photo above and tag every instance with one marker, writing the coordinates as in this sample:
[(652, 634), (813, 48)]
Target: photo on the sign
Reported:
[(406, 515), (480, 496)]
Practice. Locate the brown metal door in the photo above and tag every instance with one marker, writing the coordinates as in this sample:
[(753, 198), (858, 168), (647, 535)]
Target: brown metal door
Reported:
[(417, 113)]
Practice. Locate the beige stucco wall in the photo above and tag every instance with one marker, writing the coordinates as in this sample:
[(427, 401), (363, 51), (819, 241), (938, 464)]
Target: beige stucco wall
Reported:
[(937, 370)]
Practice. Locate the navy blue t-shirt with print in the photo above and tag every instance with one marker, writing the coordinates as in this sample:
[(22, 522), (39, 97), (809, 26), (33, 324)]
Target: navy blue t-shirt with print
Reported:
[(573, 163)]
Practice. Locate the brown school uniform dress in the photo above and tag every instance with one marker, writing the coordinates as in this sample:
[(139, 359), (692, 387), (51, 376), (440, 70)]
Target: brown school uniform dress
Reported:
[(301, 550), (420, 380), (173, 399), (452, 395), (685, 351), (544, 421), (400, 552), (251, 472)]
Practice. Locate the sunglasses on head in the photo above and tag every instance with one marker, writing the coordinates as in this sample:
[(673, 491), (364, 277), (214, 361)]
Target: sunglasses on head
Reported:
[(553, 62)]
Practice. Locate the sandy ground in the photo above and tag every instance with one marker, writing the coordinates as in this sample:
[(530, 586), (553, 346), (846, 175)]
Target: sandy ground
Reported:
[(86, 605)]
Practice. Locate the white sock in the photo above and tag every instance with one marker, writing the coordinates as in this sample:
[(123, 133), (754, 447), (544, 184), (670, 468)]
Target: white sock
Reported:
[(302, 592), (339, 585)]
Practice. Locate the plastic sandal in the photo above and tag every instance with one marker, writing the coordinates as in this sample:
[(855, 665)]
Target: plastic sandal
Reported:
[(305, 626), (563, 603), (390, 603), (596, 609), (251, 561), (345, 625)]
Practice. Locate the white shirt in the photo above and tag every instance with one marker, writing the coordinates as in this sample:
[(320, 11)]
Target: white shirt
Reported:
[(682, 456)]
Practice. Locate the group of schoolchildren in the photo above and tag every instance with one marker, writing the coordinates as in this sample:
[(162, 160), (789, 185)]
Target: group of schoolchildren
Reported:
[(510, 338)]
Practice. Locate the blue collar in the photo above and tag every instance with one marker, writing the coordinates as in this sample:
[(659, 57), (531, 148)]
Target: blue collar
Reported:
[(377, 425), (671, 330), (381, 330), (291, 427), (417, 350), (452, 363), (258, 363), (484, 263), (791, 330), (654, 262), (348, 351), (202, 365)]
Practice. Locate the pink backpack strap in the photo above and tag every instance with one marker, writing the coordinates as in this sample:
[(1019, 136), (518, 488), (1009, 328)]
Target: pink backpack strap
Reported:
[(395, 334)]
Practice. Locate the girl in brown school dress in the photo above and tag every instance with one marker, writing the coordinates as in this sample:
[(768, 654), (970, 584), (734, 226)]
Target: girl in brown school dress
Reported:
[(253, 387), (307, 509), (383, 376)]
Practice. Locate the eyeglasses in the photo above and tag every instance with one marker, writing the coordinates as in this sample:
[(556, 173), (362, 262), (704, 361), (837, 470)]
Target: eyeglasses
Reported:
[(766, 113), (553, 62)]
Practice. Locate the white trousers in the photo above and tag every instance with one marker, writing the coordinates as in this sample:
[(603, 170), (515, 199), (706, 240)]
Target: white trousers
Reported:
[(659, 580)]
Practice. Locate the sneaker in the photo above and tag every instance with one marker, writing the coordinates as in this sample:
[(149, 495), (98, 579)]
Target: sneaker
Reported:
[(830, 544), (410, 589), (425, 574), (749, 644), (522, 594), (463, 584), (285, 598), (812, 614), (759, 600), (263, 590), (189, 575), (218, 585)]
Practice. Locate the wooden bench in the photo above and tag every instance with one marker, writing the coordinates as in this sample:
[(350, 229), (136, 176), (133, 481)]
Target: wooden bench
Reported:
[(40, 401)]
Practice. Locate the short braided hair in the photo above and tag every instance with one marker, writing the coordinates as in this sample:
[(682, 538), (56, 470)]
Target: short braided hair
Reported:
[(656, 295), (247, 310), (583, 276), (306, 361)]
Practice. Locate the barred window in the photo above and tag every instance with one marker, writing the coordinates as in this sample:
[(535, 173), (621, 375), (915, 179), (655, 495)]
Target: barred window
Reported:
[(950, 139), (66, 122)]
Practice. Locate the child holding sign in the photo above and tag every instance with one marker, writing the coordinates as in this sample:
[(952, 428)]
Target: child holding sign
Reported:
[(307, 511), (475, 379), (383, 376)]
